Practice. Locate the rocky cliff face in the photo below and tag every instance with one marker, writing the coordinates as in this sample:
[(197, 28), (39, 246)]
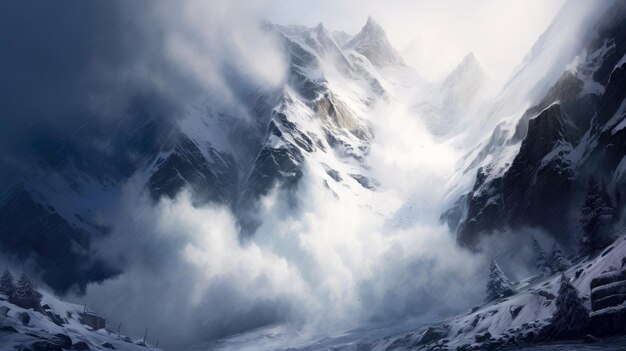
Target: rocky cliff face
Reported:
[(571, 134)]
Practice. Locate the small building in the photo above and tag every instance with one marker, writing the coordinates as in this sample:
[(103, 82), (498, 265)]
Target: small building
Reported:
[(92, 320)]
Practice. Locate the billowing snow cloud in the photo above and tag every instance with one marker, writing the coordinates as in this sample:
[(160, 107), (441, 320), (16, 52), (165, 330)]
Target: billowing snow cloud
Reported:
[(328, 265)]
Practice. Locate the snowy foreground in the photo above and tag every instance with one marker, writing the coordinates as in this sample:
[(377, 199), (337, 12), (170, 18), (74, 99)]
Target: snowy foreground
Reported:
[(57, 327), (510, 323)]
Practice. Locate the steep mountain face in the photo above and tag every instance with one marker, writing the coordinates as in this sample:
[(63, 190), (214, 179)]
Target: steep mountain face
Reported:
[(49, 217), (531, 173), (33, 229), (315, 122), (312, 123)]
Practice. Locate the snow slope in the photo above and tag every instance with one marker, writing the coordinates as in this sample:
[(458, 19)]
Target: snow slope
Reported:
[(40, 329), (510, 322)]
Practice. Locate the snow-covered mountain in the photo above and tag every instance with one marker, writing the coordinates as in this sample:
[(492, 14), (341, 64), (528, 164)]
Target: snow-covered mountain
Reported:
[(464, 84), (317, 119), (529, 172), (372, 43), (532, 147), (454, 104)]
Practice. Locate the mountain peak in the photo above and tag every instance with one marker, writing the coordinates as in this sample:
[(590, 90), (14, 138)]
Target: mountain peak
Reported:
[(470, 60), (372, 26), (469, 65), (373, 29), (465, 83), (470, 57), (372, 43)]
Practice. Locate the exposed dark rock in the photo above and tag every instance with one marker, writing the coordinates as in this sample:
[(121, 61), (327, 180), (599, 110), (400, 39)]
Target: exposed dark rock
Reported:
[(8, 328), (81, 345), (546, 295), (62, 340), (42, 345), (433, 334), (482, 337), (475, 321), (578, 273), (23, 317), (364, 181), (334, 175), (531, 184), (55, 318), (211, 175), (515, 311)]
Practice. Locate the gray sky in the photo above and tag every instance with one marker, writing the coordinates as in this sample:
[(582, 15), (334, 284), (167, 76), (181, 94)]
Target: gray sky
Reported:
[(500, 32)]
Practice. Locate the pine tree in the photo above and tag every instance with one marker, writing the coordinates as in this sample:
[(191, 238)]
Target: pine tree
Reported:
[(596, 217), (7, 286), (498, 285), (571, 318), (27, 290), (558, 262), (541, 261)]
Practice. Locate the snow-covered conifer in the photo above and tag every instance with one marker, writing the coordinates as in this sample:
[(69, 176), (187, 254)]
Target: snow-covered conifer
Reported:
[(26, 289), (7, 286), (571, 318), (499, 285), (557, 261), (541, 259)]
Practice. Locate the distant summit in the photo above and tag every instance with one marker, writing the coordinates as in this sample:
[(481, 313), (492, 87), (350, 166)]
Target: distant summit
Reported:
[(372, 43), (465, 83)]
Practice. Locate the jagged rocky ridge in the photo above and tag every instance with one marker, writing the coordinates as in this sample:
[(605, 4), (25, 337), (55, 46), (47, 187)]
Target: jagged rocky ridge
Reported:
[(531, 173)]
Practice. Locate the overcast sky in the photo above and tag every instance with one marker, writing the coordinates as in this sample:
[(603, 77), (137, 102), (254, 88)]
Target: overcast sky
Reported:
[(500, 32)]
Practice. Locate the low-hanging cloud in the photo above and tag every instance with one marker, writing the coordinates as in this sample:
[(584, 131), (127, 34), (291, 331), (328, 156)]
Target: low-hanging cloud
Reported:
[(109, 80)]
